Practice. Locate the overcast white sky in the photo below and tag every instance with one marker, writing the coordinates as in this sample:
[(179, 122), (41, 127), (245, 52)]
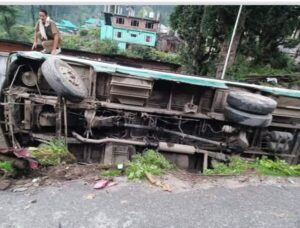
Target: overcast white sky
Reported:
[(152, 2)]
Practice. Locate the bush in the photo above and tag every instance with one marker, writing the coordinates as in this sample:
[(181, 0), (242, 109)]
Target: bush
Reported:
[(245, 67), (151, 162), (7, 166), (22, 33), (71, 42), (53, 153), (83, 32), (94, 33), (144, 52), (103, 46)]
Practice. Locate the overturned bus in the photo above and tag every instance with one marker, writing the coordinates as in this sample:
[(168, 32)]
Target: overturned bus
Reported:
[(107, 112)]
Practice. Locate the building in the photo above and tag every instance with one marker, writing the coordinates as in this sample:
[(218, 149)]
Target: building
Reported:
[(127, 30), (167, 43)]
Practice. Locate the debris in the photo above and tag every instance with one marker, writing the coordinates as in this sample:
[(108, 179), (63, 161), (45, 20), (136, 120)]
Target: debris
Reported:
[(112, 183), (22, 189), (36, 180), (4, 184), (21, 154), (158, 183), (104, 183), (120, 166), (89, 196)]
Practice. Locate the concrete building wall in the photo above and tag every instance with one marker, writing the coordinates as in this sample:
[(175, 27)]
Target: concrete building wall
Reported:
[(127, 24)]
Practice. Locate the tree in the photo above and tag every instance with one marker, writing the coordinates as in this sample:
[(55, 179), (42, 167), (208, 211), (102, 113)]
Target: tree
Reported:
[(267, 27), (8, 16), (206, 31), (203, 30), (187, 21)]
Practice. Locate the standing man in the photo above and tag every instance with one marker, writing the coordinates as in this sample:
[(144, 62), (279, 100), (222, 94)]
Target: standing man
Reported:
[(47, 32)]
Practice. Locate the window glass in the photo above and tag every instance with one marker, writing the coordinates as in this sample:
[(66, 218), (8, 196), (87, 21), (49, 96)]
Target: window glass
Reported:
[(120, 20), (119, 34), (148, 38), (135, 23), (149, 25), (133, 35)]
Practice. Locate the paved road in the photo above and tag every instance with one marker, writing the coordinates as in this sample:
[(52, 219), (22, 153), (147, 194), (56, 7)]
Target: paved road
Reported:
[(76, 204)]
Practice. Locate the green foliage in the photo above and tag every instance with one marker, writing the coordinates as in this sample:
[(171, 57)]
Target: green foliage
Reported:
[(83, 32), (267, 27), (103, 46), (8, 15), (7, 166), (151, 162), (269, 167), (94, 33), (245, 67), (72, 42), (236, 166), (111, 173), (53, 153), (22, 33), (204, 29), (144, 52), (263, 166)]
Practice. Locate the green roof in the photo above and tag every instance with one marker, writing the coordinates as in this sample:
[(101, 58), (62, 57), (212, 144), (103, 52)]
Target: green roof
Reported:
[(66, 23), (158, 75)]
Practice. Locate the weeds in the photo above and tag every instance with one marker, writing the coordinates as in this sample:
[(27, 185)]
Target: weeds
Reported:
[(111, 173), (263, 166), (53, 153), (236, 166), (150, 162), (269, 167), (7, 166)]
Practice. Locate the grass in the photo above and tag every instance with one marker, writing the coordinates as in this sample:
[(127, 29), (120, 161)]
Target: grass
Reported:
[(151, 162), (53, 153), (244, 68), (111, 173), (263, 166), (276, 168), (7, 166), (234, 167)]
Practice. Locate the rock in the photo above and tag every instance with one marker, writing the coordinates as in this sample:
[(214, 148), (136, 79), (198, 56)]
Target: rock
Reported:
[(36, 180), (4, 184), (22, 189)]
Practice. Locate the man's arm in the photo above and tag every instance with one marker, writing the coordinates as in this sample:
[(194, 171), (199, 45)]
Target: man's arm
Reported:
[(35, 37)]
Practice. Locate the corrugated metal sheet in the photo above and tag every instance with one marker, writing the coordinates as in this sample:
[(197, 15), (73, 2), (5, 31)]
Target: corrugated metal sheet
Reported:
[(158, 75)]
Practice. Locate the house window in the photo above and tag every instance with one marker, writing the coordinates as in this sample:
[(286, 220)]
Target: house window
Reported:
[(119, 34), (133, 35), (148, 38), (149, 25), (135, 23), (120, 20)]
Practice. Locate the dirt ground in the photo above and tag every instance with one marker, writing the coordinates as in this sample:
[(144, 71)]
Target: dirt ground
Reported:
[(178, 180)]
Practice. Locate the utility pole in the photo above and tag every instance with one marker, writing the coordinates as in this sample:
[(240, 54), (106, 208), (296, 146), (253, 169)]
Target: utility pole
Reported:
[(231, 41)]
